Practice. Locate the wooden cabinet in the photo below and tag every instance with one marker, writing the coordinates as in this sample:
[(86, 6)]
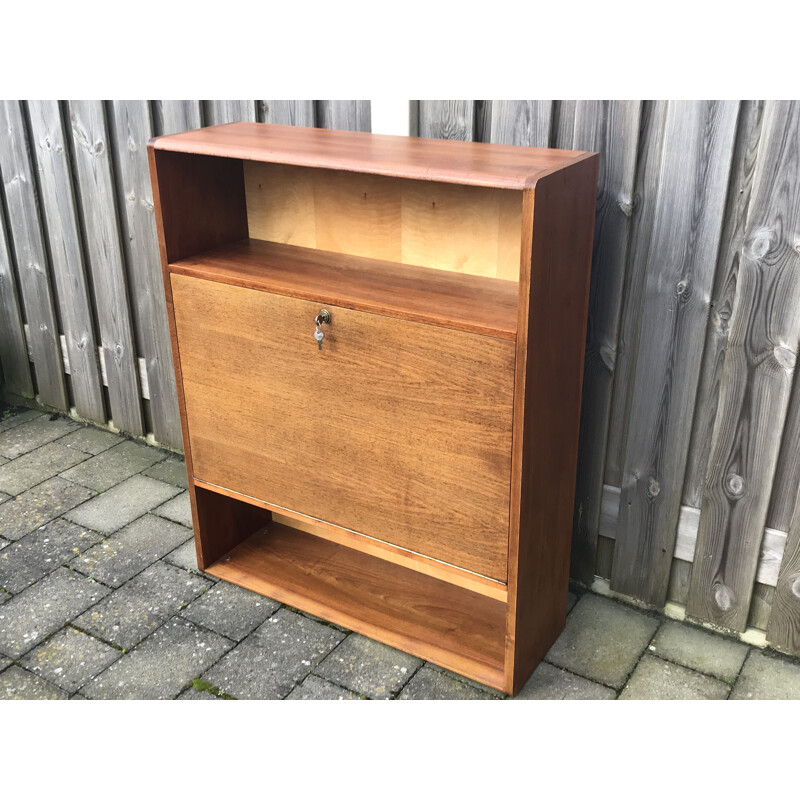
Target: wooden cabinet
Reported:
[(412, 476)]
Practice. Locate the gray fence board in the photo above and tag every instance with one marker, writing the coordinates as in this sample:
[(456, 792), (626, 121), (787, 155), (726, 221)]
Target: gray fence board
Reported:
[(174, 116), (783, 629), (717, 332), (612, 129), (104, 250), (447, 119), (344, 115), (132, 129), (50, 145), (28, 245), (698, 143), (16, 368), (653, 407), (648, 171), (522, 122), (755, 384), (219, 112), (287, 112)]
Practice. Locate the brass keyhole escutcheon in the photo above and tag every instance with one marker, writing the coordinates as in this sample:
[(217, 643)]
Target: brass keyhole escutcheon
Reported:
[(324, 316)]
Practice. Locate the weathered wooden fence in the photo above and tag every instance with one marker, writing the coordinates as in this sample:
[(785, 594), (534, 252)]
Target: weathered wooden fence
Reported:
[(690, 437)]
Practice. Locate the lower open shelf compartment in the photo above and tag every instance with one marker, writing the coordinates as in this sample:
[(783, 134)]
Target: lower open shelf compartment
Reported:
[(449, 625)]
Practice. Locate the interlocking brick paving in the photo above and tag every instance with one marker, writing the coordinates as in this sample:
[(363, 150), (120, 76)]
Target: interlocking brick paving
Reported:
[(101, 598)]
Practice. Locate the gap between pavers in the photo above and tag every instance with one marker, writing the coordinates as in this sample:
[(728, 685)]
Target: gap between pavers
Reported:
[(126, 552), (44, 608), (603, 640), (37, 466), (123, 503), (39, 505), (142, 605), (277, 655), (369, 667), (692, 647), (162, 666), (114, 465), (655, 679), (29, 435), (767, 676), (41, 552)]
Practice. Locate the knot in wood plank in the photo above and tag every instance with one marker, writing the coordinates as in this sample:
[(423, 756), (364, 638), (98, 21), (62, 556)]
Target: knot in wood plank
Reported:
[(734, 486), (608, 356), (723, 596), (786, 357), (760, 243)]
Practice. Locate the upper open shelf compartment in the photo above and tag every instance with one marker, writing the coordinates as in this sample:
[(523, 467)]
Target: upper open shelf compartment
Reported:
[(434, 237)]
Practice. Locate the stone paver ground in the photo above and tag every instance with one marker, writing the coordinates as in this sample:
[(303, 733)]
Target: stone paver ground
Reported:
[(101, 598)]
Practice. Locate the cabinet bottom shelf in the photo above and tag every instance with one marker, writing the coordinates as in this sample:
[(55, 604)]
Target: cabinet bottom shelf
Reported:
[(429, 618)]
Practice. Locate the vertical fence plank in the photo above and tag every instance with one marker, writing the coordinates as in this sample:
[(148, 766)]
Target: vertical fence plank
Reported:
[(648, 172), (66, 252), (562, 128), (612, 129), (132, 128), (447, 119), (523, 122), (755, 383), (174, 116), (343, 115), (716, 345), (13, 348), (699, 140), (783, 630), (219, 112), (25, 231), (287, 112), (104, 250)]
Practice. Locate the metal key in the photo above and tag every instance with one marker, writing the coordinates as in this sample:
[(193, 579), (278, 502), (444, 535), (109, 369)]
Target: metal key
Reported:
[(323, 316)]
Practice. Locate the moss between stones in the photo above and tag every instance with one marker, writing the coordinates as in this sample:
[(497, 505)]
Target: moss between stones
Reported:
[(205, 686)]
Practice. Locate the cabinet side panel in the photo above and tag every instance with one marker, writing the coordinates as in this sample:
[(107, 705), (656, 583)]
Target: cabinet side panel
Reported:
[(182, 199), (550, 352), (202, 202)]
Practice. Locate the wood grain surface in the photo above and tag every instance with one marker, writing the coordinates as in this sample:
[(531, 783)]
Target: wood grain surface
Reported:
[(222, 112), (447, 119), (388, 414), (365, 544), (755, 383), (28, 243), (175, 116), (473, 163), (643, 210), (698, 148), (468, 229), (522, 122), (343, 115), (554, 295), (287, 112), (723, 296), (464, 302), (426, 617), (66, 254), (93, 166), (13, 348), (132, 127), (610, 128)]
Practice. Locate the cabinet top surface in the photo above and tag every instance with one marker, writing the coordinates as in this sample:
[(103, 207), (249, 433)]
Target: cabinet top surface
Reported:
[(475, 163)]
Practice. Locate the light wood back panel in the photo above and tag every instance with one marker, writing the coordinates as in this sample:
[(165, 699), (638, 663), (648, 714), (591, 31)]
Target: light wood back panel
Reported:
[(470, 229)]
